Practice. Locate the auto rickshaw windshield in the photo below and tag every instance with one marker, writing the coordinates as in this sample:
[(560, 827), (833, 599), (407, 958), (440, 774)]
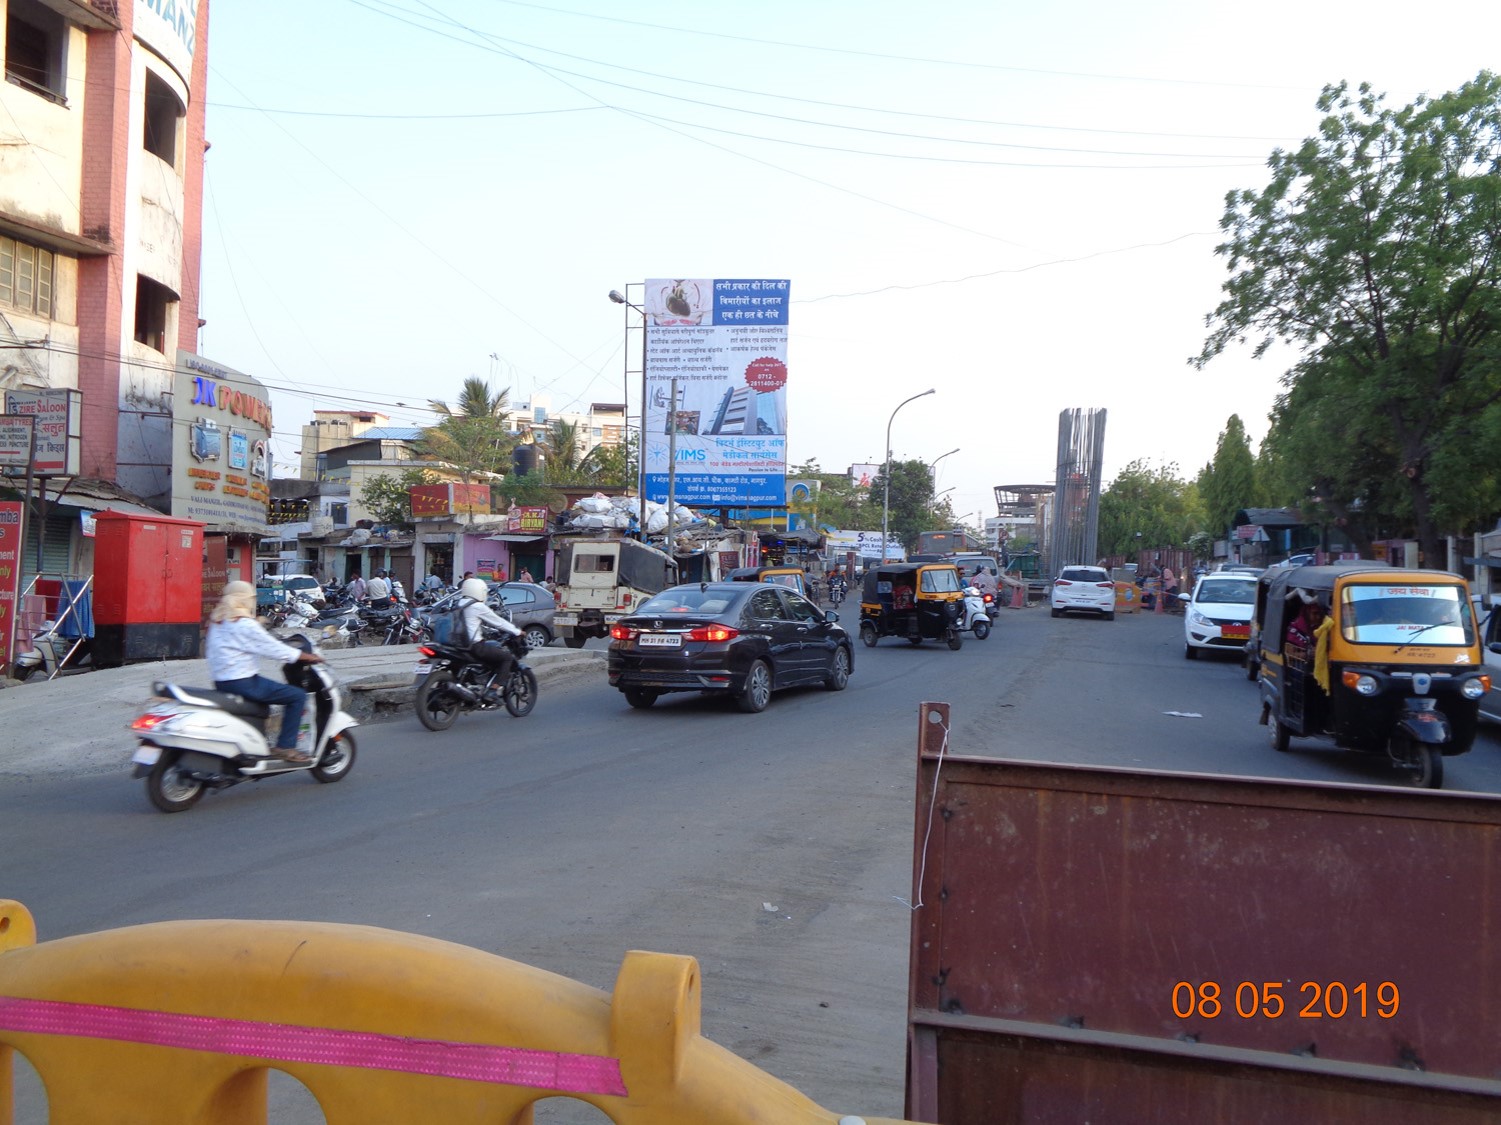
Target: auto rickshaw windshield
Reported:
[(940, 580), (1395, 615)]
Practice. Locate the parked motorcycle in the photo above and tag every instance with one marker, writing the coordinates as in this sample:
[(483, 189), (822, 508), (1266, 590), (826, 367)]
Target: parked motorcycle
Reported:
[(450, 681), (975, 619), (193, 740), (51, 651)]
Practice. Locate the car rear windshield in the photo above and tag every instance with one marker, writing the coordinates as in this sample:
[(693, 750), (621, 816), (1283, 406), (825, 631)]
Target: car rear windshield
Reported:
[(689, 599), (1084, 574)]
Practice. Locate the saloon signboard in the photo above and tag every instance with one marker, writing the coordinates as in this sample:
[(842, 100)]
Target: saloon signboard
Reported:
[(57, 417)]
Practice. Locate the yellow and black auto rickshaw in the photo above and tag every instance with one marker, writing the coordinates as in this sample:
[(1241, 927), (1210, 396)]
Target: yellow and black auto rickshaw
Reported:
[(1374, 659), (915, 601), (793, 577)]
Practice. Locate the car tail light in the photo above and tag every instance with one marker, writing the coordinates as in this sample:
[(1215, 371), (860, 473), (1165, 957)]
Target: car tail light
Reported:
[(1061, 582), (622, 633), (711, 633), (1106, 585)]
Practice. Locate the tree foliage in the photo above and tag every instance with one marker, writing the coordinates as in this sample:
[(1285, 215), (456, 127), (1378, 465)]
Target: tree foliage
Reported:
[(473, 436), (387, 497), (1146, 507), (1374, 251), (1228, 483), (911, 500), (839, 502)]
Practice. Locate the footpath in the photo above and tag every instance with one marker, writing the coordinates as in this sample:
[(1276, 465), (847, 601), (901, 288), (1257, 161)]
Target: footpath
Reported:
[(78, 723)]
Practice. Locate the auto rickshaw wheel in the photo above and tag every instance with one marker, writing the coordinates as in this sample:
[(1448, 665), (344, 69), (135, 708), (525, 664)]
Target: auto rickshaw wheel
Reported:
[(1421, 763), (953, 637), (868, 634), (1280, 736)]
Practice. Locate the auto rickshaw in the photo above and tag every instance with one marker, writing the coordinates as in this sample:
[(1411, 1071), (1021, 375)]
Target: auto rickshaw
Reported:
[(1395, 668), (916, 601), (793, 577)]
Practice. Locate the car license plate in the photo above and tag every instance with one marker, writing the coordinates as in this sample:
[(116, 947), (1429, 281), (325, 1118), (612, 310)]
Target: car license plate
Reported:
[(422, 669), (1236, 632), (659, 640)]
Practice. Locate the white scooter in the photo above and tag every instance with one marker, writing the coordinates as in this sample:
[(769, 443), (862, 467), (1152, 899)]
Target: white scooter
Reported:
[(50, 650), (197, 739), (975, 619)]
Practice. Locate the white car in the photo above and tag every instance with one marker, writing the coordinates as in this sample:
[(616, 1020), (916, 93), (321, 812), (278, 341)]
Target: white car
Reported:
[(1217, 615), (1083, 588)]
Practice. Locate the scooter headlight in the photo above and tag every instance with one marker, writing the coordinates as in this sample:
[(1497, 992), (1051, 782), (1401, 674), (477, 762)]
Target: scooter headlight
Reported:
[(1361, 683), (1475, 688)]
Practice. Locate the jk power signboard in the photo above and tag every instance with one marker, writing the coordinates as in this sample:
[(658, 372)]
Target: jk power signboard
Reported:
[(725, 342)]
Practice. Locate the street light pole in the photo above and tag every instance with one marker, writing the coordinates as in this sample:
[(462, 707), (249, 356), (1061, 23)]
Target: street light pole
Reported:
[(886, 473), (620, 299)]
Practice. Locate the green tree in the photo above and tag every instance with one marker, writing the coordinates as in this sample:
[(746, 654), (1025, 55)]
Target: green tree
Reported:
[(911, 500), (1146, 507), (1229, 484), (473, 436), (563, 453), (387, 497), (840, 502), (613, 466), (1374, 251)]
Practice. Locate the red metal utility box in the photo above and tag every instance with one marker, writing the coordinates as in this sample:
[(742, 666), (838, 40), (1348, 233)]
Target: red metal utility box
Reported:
[(148, 588)]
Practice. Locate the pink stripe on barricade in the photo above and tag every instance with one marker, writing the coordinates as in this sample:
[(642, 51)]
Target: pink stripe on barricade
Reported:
[(286, 1042)]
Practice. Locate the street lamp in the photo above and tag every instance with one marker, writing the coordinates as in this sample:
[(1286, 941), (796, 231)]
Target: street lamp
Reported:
[(886, 474), (937, 459), (620, 299)]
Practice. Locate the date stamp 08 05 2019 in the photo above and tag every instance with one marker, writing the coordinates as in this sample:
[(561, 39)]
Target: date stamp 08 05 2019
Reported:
[(1313, 1000)]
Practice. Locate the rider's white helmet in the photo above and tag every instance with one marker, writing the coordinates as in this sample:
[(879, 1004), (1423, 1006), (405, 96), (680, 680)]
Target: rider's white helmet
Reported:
[(475, 589)]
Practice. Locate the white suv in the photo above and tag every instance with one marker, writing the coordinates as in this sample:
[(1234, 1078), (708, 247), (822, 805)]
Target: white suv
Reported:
[(1084, 587)]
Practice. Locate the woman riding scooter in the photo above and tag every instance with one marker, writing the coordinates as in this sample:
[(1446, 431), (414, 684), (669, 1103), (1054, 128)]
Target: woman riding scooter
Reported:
[(473, 618), (235, 639)]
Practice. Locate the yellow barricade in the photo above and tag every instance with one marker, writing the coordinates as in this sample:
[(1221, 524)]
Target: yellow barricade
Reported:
[(181, 1021)]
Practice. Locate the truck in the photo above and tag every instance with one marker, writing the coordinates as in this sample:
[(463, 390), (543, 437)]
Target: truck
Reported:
[(602, 579)]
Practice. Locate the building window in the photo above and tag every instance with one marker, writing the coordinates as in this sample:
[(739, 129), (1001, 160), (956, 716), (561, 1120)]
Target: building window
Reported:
[(152, 300), (163, 111), (34, 38), (26, 277)]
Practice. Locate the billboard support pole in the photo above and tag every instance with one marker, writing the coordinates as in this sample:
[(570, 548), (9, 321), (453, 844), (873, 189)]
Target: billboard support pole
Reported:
[(672, 458), (41, 525)]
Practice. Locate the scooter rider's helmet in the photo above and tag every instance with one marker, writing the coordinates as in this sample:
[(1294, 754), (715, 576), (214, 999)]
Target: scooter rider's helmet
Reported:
[(475, 589)]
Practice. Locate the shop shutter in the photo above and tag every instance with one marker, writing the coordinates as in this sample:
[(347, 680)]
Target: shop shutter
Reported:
[(57, 544)]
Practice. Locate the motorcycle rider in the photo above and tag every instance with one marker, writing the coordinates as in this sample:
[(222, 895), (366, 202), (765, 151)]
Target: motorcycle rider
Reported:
[(473, 617), (235, 639)]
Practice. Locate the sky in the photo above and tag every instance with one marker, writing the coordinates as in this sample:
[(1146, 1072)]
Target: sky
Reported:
[(1015, 204)]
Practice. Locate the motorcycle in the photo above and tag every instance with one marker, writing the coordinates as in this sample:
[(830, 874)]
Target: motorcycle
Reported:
[(450, 681), (975, 619), (195, 740), (50, 652)]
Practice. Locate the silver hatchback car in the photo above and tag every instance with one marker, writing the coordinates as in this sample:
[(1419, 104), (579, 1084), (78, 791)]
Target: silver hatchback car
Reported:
[(1087, 588)]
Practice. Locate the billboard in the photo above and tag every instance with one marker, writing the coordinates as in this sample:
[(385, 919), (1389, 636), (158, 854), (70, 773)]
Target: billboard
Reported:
[(725, 342), (449, 498), (221, 446), (12, 543)]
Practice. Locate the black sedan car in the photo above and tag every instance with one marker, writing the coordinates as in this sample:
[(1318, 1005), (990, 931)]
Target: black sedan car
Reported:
[(741, 638)]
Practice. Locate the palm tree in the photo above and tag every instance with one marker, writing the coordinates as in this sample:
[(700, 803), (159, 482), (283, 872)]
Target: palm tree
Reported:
[(563, 453), (475, 436)]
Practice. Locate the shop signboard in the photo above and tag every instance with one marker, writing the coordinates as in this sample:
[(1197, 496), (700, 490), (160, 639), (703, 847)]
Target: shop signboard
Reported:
[(12, 543), (15, 440), (527, 519), (439, 501), (57, 415), (724, 342), (221, 445)]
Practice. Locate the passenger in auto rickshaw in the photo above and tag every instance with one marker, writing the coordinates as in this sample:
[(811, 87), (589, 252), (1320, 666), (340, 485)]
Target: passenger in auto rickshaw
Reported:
[(1306, 646)]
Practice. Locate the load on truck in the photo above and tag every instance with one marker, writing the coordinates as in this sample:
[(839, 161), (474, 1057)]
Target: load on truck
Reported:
[(601, 580)]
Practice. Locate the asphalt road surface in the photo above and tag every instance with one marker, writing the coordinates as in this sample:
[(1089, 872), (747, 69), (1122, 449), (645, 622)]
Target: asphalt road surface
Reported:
[(775, 848)]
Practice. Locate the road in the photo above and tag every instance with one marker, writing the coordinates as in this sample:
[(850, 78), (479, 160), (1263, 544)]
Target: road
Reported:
[(776, 848)]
